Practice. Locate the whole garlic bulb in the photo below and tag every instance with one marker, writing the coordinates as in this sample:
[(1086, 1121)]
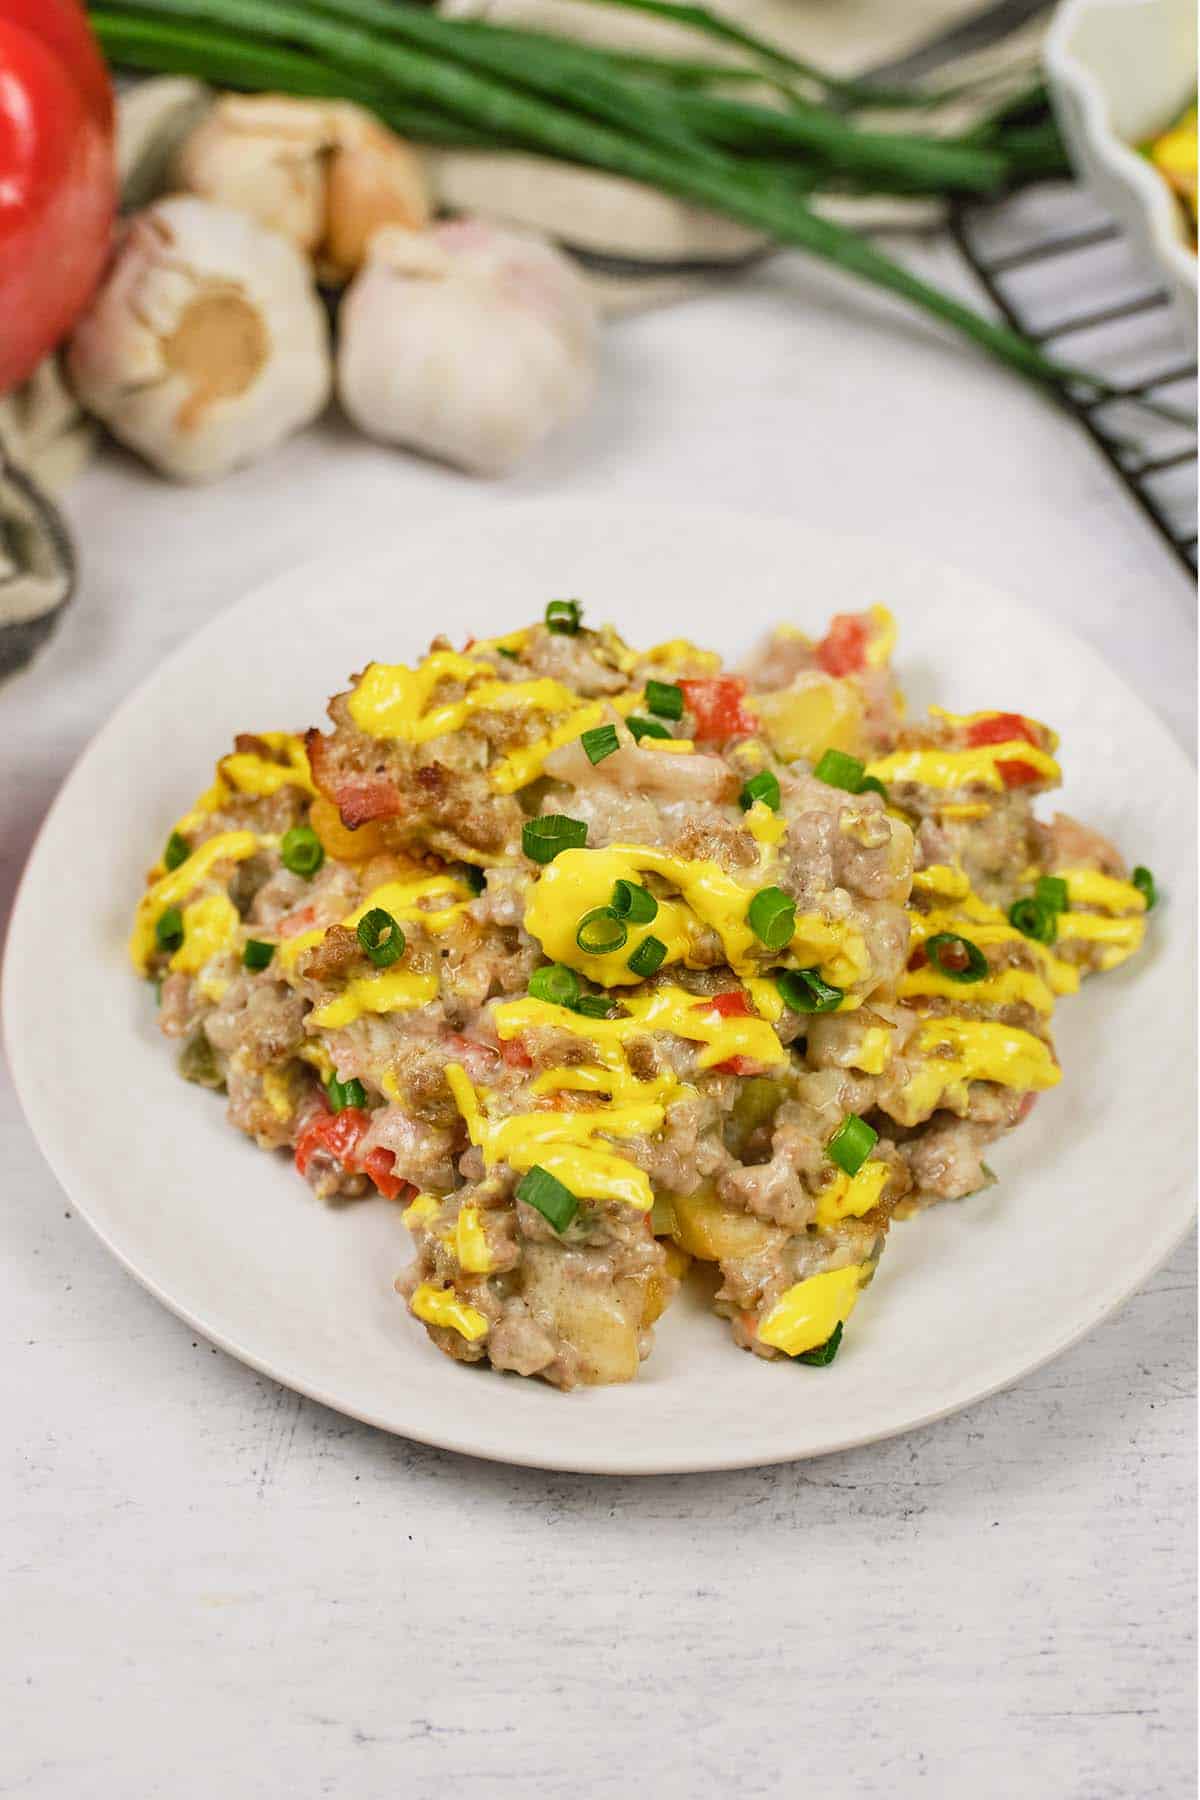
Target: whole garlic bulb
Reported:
[(324, 173), (207, 344), (467, 342)]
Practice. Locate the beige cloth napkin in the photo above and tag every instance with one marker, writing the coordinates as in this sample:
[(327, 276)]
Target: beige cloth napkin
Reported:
[(644, 248)]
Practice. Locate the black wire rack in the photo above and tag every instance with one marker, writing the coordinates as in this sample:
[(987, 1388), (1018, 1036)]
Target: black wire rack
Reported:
[(1062, 272)]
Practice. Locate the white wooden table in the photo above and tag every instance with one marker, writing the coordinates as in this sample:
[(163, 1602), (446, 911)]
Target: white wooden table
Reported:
[(214, 1587)]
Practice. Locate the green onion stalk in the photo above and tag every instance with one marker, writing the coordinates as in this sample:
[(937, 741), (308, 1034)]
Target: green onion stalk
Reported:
[(451, 82)]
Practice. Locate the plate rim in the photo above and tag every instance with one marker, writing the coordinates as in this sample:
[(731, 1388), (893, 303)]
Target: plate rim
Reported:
[(664, 1462)]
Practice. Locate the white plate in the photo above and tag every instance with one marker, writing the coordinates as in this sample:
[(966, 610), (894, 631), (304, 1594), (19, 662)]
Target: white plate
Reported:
[(1094, 1192)]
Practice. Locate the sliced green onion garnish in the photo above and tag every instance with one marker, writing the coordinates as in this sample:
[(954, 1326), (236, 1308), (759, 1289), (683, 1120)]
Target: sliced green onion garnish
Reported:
[(547, 1194), (648, 956), (1143, 881), (851, 1144), (764, 787), (593, 1006), (380, 938), (823, 1355), (556, 984), (957, 958), (256, 954), (1033, 919), (473, 877), (772, 917), (665, 698), (1051, 890), (302, 850), (542, 838), (632, 902), (838, 770), (168, 929), (345, 1093), (804, 991), (641, 728), (512, 655), (176, 852), (600, 742), (564, 616), (870, 784), (600, 931)]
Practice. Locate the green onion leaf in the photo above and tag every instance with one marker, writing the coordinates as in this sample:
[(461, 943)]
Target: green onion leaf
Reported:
[(600, 742), (594, 1006), (256, 954), (168, 929), (556, 984), (176, 852), (804, 991), (851, 1144), (838, 770), (302, 851), (641, 728), (764, 787), (1143, 881), (1035, 920), (542, 838), (823, 1355), (380, 938), (665, 698), (600, 932), (871, 784), (1051, 890), (564, 617), (474, 877), (345, 1093), (547, 1194), (772, 917), (632, 902), (503, 650), (648, 956), (957, 958)]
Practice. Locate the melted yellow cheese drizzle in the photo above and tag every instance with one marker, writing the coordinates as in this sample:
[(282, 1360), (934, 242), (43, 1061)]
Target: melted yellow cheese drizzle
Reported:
[(809, 1313), (392, 990), (403, 899), (980, 1050), (1119, 937), (245, 772), (173, 888), (210, 927), (579, 880), (395, 702), (971, 917), (1088, 887), (973, 767), (470, 1241), (441, 1306), (850, 1196)]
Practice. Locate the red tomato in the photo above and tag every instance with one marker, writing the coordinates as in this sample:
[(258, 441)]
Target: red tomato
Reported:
[(731, 1005), (1016, 774), (1000, 728), (57, 177), (716, 702), (379, 1164), (843, 649)]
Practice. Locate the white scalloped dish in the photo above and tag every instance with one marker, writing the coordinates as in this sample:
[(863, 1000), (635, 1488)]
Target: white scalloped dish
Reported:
[(1119, 73)]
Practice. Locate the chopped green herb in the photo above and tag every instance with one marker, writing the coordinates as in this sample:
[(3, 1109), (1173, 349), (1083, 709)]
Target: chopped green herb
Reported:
[(1033, 919), (633, 902), (804, 991), (648, 956), (838, 770), (955, 957), (556, 984), (593, 1006), (1051, 890), (764, 787), (564, 617), (1143, 881), (345, 1093), (641, 728), (599, 742), (600, 932), (380, 937), (542, 838), (176, 852), (256, 954), (168, 929), (302, 851), (665, 698), (823, 1355), (851, 1144), (772, 917), (546, 1193)]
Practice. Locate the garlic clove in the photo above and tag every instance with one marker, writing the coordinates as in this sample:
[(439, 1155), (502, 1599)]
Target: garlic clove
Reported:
[(465, 342), (324, 174), (207, 344)]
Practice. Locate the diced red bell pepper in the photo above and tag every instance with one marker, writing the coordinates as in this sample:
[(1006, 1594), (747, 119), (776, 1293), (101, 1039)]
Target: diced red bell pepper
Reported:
[(731, 1005), (1000, 728), (1016, 774), (379, 1164), (716, 702), (515, 1054), (737, 1065), (843, 649), (57, 177), (339, 1134)]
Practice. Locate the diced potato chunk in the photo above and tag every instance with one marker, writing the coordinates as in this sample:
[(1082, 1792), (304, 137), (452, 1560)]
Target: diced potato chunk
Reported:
[(711, 1231), (815, 714)]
